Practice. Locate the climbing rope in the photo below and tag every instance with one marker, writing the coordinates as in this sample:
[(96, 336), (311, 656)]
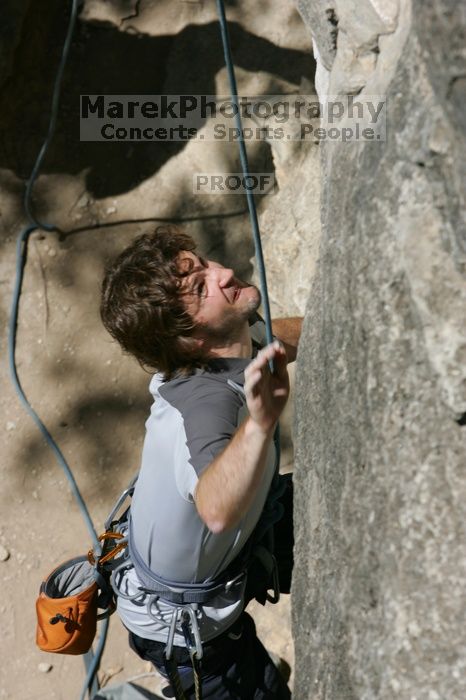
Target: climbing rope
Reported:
[(250, 199), (245, 167), (91, 660)]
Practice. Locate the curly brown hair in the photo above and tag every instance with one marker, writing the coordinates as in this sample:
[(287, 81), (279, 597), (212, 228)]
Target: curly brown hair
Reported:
[(141, 305)]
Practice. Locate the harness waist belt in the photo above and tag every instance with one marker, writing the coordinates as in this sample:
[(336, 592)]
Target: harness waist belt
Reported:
[(174, 591)]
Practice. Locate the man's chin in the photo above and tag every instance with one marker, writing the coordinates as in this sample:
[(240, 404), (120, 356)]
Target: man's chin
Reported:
[(254, 302), (251, 295)]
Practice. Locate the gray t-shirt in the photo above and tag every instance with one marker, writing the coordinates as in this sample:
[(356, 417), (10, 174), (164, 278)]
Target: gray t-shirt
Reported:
[(192, 420)]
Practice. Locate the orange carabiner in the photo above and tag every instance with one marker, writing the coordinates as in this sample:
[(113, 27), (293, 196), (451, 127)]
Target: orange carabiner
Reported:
[(113, 552)]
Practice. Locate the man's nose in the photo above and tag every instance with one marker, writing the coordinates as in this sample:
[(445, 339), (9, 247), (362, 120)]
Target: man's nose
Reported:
[(223, 275)]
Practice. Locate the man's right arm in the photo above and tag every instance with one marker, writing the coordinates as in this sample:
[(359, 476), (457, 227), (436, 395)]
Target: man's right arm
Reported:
[(227, 488)]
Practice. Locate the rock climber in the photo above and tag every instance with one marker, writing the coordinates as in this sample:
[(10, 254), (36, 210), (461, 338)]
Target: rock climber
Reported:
[(208, 458)]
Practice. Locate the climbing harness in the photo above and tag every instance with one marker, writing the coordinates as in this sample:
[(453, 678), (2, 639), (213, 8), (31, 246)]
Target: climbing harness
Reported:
[(76, 583)]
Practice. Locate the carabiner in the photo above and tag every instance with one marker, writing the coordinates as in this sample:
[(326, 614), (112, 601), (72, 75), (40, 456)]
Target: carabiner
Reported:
[(189, 617)]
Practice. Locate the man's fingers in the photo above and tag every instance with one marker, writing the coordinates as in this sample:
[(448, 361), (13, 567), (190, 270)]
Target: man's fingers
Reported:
[(259, 368), (280, 363), (251, 385), (266, 392), (270, 352)]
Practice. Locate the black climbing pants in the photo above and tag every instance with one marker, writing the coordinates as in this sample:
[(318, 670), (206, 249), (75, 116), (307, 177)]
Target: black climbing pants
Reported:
[(234, 666)]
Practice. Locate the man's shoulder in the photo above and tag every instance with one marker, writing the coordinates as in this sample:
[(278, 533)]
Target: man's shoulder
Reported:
[(205, 392), (196, 386)]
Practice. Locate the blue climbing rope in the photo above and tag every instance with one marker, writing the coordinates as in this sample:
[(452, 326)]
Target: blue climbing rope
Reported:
[(91, 660), (245, 167), (251, 203), (21, 250)]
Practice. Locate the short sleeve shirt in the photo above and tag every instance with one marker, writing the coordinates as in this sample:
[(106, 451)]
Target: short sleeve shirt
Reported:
[(192, 420)]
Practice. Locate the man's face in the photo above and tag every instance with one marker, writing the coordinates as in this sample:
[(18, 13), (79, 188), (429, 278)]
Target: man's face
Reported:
[(218, 302)]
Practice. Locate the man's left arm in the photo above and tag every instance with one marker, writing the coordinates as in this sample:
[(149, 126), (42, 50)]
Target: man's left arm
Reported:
[(288, 331)]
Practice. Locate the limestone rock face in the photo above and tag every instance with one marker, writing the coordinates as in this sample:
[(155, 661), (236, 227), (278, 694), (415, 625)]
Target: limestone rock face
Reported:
[(381, 377), (290, 226)]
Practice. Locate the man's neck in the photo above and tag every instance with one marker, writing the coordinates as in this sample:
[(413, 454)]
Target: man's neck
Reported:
[(240, 346)]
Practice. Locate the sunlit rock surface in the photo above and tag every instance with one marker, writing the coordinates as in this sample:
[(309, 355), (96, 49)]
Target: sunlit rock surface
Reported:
[(381, 378)]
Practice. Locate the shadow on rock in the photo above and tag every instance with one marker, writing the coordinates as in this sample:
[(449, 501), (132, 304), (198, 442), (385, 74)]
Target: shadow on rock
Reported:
[(104, 60)]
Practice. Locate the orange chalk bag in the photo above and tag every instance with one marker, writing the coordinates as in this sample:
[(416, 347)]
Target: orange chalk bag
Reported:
[(67, 608), (70, 596)]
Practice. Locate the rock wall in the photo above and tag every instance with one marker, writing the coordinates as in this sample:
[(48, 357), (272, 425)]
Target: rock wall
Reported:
[(381, 381)]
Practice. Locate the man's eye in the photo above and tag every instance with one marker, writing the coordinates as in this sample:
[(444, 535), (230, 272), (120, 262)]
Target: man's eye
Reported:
[(201, 290)]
